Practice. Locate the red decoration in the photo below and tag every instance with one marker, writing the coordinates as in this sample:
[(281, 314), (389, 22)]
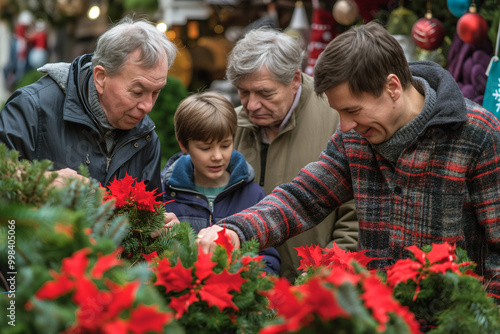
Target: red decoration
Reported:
[(472, 28), (125, 195), (101, 309), (439, 260), (428, 33), (200, 284)]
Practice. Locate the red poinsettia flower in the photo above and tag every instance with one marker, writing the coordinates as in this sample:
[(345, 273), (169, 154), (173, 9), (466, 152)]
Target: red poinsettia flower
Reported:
[(106, 262), (125, 192), (379, 299), (199, 283), (315, 256), (439, 260)]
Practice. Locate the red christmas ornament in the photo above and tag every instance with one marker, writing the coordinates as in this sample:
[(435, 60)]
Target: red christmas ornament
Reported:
[(428, 33), (472, 28)]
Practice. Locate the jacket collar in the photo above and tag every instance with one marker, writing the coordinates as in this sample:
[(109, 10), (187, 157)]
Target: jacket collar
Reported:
[(179, 171), (450, 103)]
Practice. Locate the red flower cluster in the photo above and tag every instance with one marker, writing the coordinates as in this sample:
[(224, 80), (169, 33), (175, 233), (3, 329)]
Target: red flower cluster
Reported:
[(199, 283), (439, 260), (125, 194), (315, 256), (299, 305), (101, 311)]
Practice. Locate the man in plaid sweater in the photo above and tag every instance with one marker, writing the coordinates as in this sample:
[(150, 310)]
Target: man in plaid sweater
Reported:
[(421, 162)]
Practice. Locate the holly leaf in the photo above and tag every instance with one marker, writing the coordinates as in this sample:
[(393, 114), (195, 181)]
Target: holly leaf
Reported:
[(145, 319), (175, 278), (216, 289)]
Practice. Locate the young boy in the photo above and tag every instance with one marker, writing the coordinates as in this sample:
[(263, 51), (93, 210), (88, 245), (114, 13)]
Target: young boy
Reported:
[(209, 180)]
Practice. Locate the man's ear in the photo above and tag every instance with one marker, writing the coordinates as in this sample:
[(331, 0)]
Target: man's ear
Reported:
[(183, 148), (99, 78), (393, 86), (297, 81)]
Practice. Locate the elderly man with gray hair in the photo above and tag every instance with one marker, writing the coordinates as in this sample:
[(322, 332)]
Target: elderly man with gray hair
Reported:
[(282, 126), (93, 111)]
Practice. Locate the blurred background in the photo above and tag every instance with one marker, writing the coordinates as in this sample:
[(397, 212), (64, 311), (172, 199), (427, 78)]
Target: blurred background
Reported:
[(459, 34)]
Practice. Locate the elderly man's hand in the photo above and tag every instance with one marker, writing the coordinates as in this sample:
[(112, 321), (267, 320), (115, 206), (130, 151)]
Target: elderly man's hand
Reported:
[(65, 174), (169, 220), (207, 236)]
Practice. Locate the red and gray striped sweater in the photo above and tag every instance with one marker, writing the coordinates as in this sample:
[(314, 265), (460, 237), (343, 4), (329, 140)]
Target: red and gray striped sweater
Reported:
[(445, 186)]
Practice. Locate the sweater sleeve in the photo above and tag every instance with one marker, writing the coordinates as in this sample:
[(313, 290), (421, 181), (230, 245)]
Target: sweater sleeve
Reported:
[(295, 207)]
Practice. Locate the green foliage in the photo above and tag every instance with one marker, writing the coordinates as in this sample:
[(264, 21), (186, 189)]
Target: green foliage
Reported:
[(163, 115), (451, 303), (137, 239), (200, 318), (50, 224)]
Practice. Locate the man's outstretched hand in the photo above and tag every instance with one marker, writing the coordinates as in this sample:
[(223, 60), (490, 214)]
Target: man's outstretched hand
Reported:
[(207, 236)]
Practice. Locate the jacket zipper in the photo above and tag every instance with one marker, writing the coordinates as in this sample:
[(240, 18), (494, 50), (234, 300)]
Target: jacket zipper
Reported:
[(211, 206)]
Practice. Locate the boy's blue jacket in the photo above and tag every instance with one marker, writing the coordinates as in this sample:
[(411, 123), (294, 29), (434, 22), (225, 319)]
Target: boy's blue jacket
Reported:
[(191, 206)]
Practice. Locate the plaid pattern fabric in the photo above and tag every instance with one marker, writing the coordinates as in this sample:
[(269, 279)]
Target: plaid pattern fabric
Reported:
[(444, 187)]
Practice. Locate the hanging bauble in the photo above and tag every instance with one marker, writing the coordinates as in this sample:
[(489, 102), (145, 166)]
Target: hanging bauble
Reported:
[(458, 7), (345, 12), (428, 33), (472, 28)]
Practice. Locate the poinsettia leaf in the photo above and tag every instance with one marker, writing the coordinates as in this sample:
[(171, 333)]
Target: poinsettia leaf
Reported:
[(441, 268), (311, 256), (204, 264), (282, 298), (150, 257), (402, 271), (420, 255), (117, 326), (76, 264), (120, 190), (181, 304), (378, 298), (146, 200), (216, 289), (339, 276), (175, 278), (122, 297), (105, 262), (322, 301), (86, 291), (56, 288), (441, 252), (146, 318), (224, 240)]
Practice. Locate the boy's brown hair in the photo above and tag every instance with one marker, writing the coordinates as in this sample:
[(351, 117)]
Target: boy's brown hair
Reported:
[(205, 117)]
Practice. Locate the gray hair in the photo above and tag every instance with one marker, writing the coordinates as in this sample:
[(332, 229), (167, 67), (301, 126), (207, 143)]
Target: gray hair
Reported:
[(280, 53), (115, 45)]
